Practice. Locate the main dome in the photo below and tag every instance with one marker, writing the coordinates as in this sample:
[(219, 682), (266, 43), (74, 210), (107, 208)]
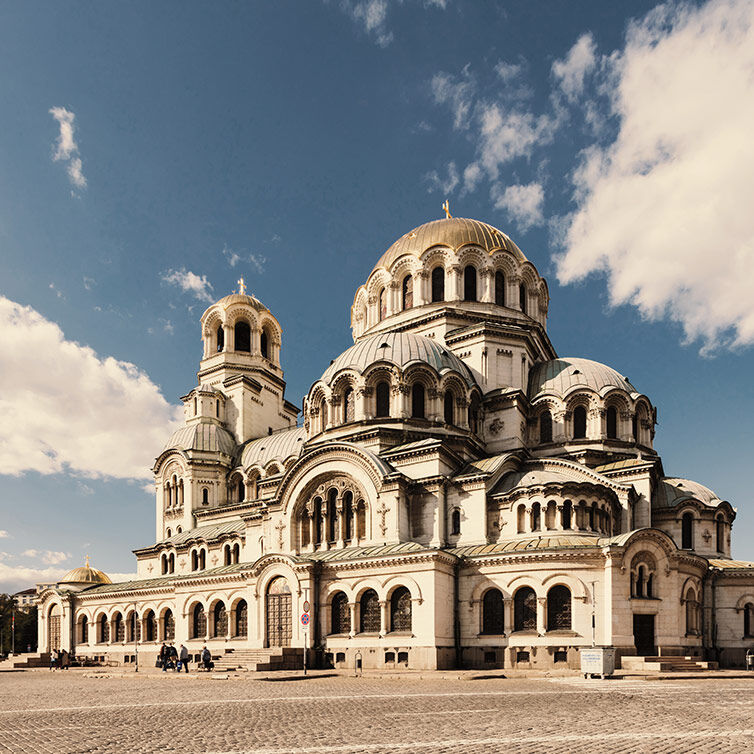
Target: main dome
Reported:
[(455, 232), (401, 349), (85, 575)]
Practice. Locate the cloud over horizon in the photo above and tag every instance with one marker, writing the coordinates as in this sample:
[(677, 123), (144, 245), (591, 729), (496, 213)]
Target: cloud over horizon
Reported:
[(67, 150), (76, 412), (190, 282)]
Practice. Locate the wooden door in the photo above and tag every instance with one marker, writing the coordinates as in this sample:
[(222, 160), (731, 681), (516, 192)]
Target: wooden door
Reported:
[(279, 614), (644, 635)]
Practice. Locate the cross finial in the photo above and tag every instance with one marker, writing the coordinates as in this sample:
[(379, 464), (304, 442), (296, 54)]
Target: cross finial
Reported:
[(241, 286), (446, 207), (87, 561)]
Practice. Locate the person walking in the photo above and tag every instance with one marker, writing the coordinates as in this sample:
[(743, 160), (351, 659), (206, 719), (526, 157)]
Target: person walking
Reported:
[(53, 659), (206, 658), (163, 657), (184, 657), (65, 660), (173, 657)]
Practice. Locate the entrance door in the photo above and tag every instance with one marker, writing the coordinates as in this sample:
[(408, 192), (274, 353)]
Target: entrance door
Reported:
[(644, 635), (53, 636), (279, 616)]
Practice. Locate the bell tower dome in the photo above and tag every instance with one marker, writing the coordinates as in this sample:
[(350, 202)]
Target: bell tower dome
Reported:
[(241, 358)]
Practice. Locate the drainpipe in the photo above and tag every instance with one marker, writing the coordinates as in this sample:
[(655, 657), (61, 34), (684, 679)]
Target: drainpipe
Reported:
[(315, 604), (713, 617), (457, 611)]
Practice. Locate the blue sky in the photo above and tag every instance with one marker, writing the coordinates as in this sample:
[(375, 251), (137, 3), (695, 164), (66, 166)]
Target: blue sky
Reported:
[(153, 153)]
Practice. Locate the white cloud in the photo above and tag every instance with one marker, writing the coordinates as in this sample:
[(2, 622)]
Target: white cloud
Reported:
[(457, 92), (232, 257), (4, 534), (523, 203), (444, 185), (75, 411), (190, 282), (48, 557), (571, 71), (257, 261), (89, 283), (665, 210), (372, 15), (14, 578), (67, 149)]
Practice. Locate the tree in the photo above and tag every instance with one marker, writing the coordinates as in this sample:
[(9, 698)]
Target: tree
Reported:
[(26, 626)]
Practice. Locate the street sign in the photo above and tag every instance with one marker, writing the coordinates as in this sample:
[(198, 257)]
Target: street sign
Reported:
[(305, 619), (307, 606)]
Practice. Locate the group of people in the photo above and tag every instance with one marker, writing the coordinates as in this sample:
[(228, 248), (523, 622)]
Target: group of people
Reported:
[(171, 658), (60, 659)]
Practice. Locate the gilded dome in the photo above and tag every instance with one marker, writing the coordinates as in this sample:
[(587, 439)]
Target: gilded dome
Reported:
[(455, 232), (401, 349), (560, 377), (85, 575), (202, 436)]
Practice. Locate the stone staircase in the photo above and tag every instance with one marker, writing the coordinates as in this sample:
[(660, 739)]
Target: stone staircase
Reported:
[(272, 658), (667, 664), (26, 660)]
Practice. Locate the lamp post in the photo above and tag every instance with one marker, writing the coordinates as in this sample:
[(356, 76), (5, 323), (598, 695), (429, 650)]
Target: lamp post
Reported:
[(136, 639)]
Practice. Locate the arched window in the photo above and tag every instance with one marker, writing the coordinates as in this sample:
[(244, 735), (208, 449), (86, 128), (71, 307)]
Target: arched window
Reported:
[(171, 563), (417, 400), (226, 555), (194, 561), (194, 406), (168, 625), (242, 619), (205, 496), (361, 520), (383, 399), (202, 559), (369, 605), (236, 553), (340, 614), (220, 339), (525, 610), (382, 304), (263, 344), (103, 630), (492, 612), (400, 610), (499, 288), (536, 517), (150, 626), (317, 520), (521, 519), (635, 428), (448, 402), (134, 627), (348, 514), (691, 612), (473, 414), (612, 423), (579, 423), (748, 619), (169, 533), (332, 518), (323, 414), (455, 522), (545, 427), (522, 293), (348, 406), (220, 620), (243, 336), (119, 628), (240, 490), (407, 293), (566, 515), (687, 531), (720, 533), (84, 630), (198, 622), (163, 563), (559, 608), (438, 284), (469, 283)]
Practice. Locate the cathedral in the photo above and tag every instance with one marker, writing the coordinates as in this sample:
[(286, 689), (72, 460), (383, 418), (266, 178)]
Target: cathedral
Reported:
[(455, 495)]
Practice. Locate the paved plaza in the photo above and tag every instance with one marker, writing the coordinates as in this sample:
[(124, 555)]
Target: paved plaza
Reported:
[(78, 712)]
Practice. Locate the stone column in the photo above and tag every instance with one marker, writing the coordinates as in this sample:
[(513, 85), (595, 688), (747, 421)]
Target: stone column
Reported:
[(487, 293), (541, 607), (228, 333), (453, 284), (383, 617), (352, 611), (420, 287), (507, 615), (340, 520)]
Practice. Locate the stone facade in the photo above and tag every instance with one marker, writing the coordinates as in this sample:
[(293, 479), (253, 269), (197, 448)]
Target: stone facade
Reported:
[(456, 495)]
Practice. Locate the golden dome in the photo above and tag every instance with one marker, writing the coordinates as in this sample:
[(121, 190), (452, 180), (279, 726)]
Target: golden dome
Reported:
[(454, 232), (85, 575)]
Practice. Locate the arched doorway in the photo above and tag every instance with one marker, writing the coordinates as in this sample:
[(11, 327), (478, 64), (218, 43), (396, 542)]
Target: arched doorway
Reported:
[(53, 628), (279, 615)]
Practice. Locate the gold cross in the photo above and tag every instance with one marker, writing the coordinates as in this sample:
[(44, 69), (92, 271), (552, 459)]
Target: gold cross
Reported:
[(241, 286), (87, 561), (446, 207)]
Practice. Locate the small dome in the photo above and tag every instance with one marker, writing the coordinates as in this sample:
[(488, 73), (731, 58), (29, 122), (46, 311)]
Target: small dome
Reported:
[(672, 491), (208, 437), (276, 447), (401, 349), (85, 575), (454, 232), (562, 376), (241, 298)]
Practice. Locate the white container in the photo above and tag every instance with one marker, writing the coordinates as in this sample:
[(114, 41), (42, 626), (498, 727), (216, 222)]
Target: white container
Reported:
[(598, 661)]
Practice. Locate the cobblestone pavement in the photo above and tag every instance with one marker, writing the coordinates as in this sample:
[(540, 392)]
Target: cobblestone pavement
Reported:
[(75, 712)]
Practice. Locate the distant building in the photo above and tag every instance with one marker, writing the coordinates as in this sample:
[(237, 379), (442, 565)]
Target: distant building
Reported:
[(457, 495), (27, 598)]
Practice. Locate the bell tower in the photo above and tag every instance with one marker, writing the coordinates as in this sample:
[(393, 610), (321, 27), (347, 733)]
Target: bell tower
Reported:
[(241, 358)]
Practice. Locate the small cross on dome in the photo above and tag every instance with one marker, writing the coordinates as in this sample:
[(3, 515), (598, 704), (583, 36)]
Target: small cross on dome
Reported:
[(446, 207), (241, 286)]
